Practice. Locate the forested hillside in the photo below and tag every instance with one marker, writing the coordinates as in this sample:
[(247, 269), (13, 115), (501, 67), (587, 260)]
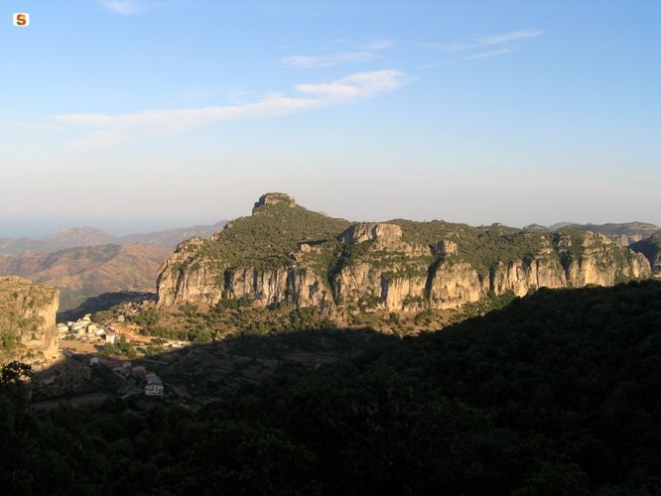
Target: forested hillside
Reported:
[(558, 393)]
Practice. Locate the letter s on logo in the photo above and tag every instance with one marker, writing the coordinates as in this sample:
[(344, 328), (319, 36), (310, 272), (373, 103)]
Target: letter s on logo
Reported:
[(21, 19)]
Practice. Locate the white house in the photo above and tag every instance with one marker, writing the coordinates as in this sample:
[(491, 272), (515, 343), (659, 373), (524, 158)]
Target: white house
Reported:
[(154, 389)]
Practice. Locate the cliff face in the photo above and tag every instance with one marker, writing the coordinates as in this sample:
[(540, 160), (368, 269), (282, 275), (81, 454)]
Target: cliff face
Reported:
[(397, 267), (27, 321)]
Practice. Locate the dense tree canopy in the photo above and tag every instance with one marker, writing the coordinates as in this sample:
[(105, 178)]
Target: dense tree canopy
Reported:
[(558, 393)]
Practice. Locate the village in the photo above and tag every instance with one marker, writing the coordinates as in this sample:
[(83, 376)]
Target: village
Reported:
[(85, 339), (113, 359)]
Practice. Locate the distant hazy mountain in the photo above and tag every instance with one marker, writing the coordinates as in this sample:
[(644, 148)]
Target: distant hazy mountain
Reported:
[(90, 236), (561, 225), (624, 234), (170, 238), (83, 272), (14, 246), (78, 236)]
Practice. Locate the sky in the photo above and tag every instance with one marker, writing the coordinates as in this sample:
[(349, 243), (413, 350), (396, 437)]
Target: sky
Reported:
[(134, 115)]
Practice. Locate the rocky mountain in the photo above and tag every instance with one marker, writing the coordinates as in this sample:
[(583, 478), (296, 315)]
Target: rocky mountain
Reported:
[(61, 240), (83, 272), (27, 321), (88, 236), (651, 248), (285, 254), (14, 246), (623, 234)]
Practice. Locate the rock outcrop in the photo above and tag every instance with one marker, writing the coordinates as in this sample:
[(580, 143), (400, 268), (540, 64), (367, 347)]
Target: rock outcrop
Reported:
[(651, 249), (397, 266), (273, 199), (27, 321)]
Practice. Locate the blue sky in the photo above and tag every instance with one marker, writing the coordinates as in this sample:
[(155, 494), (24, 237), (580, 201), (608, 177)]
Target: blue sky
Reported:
[(142, 114)]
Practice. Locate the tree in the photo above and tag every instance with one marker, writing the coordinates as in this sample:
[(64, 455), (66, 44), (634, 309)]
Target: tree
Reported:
[(13, 374)]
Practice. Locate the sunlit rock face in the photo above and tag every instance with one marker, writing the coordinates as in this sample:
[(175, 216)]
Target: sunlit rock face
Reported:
[(375, 266), (27, 321)]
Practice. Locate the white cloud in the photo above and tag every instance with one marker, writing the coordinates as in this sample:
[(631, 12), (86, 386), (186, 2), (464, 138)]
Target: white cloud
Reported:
[(329, 60), (499, 39), (353, 87), (475, 48), (364, 53), (492, 53), (123, 7), (111, 129)]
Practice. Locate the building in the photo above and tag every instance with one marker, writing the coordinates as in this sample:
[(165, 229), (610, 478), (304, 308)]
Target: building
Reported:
[(111, 337), (154, 385), (154, 389)]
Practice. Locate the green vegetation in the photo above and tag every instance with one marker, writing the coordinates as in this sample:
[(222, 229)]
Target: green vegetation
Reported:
[(266, 239), (281, 241), (13, 374), (556, 393), (229, 317), (482, 247), (120, 349)]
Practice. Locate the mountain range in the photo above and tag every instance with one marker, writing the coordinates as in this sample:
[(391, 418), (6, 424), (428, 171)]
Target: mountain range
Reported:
[(285, 254), (325, 262), (84, 262), (624, 234), (83, 272), (75, 237)]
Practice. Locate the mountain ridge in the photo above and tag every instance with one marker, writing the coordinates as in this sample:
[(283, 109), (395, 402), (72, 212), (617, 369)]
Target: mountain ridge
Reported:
[(625, 233), (87, 271), (75, 237), (286, 254)]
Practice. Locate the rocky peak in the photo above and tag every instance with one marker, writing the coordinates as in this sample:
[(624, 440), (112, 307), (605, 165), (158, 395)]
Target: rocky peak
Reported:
[(368, 231), (190, 244), (444, 248), (273, 199)]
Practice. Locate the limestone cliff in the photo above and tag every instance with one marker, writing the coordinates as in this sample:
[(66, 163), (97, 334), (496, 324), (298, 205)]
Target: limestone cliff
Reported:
[(651, 249), (27, 321), (284, 254)]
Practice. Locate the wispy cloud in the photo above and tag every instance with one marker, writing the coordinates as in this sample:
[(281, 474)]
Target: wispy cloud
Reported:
[(477, 49), (492, 53), (377, 45), (363, 53), (499, 39), (328, 60), (112, 129), (123, 7)]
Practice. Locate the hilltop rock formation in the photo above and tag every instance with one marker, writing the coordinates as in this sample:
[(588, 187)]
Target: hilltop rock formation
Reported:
[(273, 199), (27, 321), (284, 254)]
